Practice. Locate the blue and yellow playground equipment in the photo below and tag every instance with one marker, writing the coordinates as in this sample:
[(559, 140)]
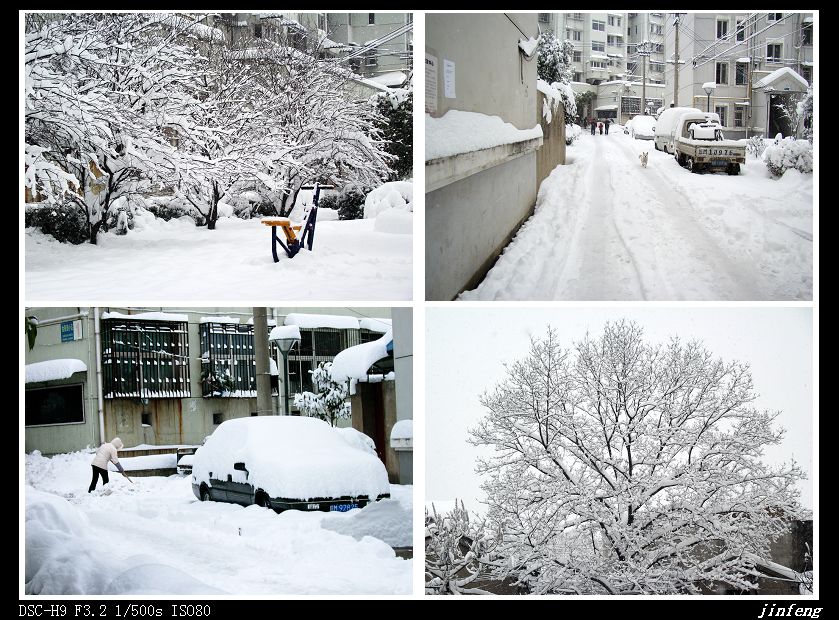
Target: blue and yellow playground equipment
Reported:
[(292, 243)]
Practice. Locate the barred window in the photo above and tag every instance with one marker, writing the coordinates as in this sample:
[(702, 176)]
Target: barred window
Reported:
[(228, 363), (145, 359), (62, 404)]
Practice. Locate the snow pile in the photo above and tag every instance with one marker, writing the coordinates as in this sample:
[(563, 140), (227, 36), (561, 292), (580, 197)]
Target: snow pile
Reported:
[(787, 154), (354, 362), (393, 195), (313, 321), (219, 319), (403, 429), (147, 316), (53, 370), (388, 520), (357, 439), (149, 461), (529, 47), (281, 332), (572, 132), (290, 457), (395, 222), (462, 132)]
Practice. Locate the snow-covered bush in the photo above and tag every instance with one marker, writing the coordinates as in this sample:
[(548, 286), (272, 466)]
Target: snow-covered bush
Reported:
[(755, 146), (789, 153), (249, 203), (554, 59), (66, 222), (397, 127), (572, 132), (348, 204), (329, 402), (393, 195), (120, 217), (168, 208)]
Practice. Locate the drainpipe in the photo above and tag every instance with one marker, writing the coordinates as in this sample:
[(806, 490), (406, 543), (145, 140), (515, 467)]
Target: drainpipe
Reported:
[(99, 399)]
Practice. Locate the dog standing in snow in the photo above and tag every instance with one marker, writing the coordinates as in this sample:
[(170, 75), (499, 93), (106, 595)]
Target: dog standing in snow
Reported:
[(643, 157)]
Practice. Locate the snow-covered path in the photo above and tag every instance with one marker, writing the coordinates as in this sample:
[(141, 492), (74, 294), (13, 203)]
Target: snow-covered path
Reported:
[(605, 228), (154, 537), (175, 260)]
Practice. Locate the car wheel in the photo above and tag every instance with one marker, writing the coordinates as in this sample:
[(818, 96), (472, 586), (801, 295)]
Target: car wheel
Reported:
[(734, 169), (692, 166), (205, 494)]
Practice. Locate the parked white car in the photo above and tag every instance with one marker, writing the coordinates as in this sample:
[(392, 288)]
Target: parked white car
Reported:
[(642, 127), (289, 463)]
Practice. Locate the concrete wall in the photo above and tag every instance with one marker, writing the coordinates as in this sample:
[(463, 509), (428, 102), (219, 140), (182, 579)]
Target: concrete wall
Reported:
[(363, 421), (552, 153), (491, 76), (469, 222)]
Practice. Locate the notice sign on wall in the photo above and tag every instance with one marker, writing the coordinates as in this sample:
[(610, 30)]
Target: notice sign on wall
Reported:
[(430, 83), (71, 330), (448, 79)]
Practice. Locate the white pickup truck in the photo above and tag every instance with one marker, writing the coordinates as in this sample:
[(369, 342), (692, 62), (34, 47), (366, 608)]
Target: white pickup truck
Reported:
[(700, 145)]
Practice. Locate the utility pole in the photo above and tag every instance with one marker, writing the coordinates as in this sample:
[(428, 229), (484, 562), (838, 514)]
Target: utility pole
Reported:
[(263, 371), (676, 64), (643, 52)]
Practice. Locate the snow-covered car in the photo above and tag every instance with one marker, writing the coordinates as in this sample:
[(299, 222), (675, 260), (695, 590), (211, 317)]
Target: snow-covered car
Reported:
[(628, 127), (665, 126), (289, 463), (642, 127)]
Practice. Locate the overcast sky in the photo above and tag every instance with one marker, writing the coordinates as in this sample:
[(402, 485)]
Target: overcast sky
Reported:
[(466, 349)]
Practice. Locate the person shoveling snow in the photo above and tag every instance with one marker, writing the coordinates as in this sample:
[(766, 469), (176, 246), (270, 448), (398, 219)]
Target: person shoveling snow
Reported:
[(106, 452)]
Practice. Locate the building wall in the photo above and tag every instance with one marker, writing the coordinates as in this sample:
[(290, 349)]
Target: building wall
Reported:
[(469, 222), (552, 153), (355, 28), (491, 76)]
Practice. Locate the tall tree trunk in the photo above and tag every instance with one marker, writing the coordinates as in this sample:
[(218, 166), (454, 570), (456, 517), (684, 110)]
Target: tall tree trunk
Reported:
[(212, 216)]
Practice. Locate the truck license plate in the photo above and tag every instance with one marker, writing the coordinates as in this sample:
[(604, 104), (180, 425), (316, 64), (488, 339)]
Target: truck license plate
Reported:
[(342, 507), (719, 162)]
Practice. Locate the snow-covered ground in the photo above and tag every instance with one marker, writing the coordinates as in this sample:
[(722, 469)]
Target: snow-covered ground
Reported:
[(605, 228), (154, 537), (351, 260)]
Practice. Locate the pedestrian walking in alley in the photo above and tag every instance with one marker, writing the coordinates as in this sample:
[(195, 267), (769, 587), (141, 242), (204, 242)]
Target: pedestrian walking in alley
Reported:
[(607, 123), (106, 452), (600, 127), (585, 122), (593, 126)]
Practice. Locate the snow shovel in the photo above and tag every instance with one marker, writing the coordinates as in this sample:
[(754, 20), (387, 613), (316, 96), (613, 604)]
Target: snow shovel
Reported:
[(126, 475)]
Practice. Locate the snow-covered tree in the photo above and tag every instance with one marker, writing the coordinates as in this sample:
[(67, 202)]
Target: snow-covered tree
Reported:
[(805, 113), (329, 401), (553, 63), (397, 127), (623, 466), (457, 552)]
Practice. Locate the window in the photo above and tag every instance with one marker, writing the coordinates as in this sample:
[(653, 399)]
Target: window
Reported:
[(371, 18), (598, 64), (658, 48), (722, 110), (614, 20), (544, 18), (228, 363), (316, 345), (218, 418), (613, 40), (658, 67), (722, 73), (632, 67), (63, 404), (774, 17), (807, 73), (145, 419), (740, 30), (578, 77), (370, 59), (145, 359), (573, 35), (628, 30), (598, 46), (807, 33), (655, 29), (741, 74), (631, 49), (773, 52), (739, 116), (577, 56), (722, 29), (598, 25)]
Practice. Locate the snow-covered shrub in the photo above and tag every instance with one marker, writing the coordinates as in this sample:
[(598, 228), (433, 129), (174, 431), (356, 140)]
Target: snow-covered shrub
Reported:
[(120, 217), (572, 132), (397, 127), (249, 204), (349, 204), (789, 153), (329, 402), (755, 146), (168, 208), (393, 195), (66, 222)]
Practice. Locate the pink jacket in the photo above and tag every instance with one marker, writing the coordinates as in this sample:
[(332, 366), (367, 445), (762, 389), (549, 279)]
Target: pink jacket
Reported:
[(107, 452)]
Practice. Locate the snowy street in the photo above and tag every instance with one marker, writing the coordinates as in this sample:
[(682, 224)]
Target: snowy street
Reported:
[(350, 260), (155, 537), (605, 228)]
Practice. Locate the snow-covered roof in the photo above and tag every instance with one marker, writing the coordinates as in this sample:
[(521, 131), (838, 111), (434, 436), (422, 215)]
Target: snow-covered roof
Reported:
[(390, 79), (403, 429), (711, 85), (313, 321), (613, 106), (459, 132), (745, 59), (147, 316), (602, 56), (219, 319), (271, 322), (53, 370), (353, 363), (615, 55), (281, 332), (375, 325), (779, 74)]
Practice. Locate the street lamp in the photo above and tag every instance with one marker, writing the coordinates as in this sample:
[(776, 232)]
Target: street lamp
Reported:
[(709, 87), (285, 337)]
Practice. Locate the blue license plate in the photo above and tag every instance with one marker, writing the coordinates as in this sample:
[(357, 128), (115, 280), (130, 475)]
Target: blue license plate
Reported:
[(719, 163), (342, 507)]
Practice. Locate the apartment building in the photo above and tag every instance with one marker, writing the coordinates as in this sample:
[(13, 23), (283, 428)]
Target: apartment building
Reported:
[(760, 64), (645, 35), (393, 37)]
